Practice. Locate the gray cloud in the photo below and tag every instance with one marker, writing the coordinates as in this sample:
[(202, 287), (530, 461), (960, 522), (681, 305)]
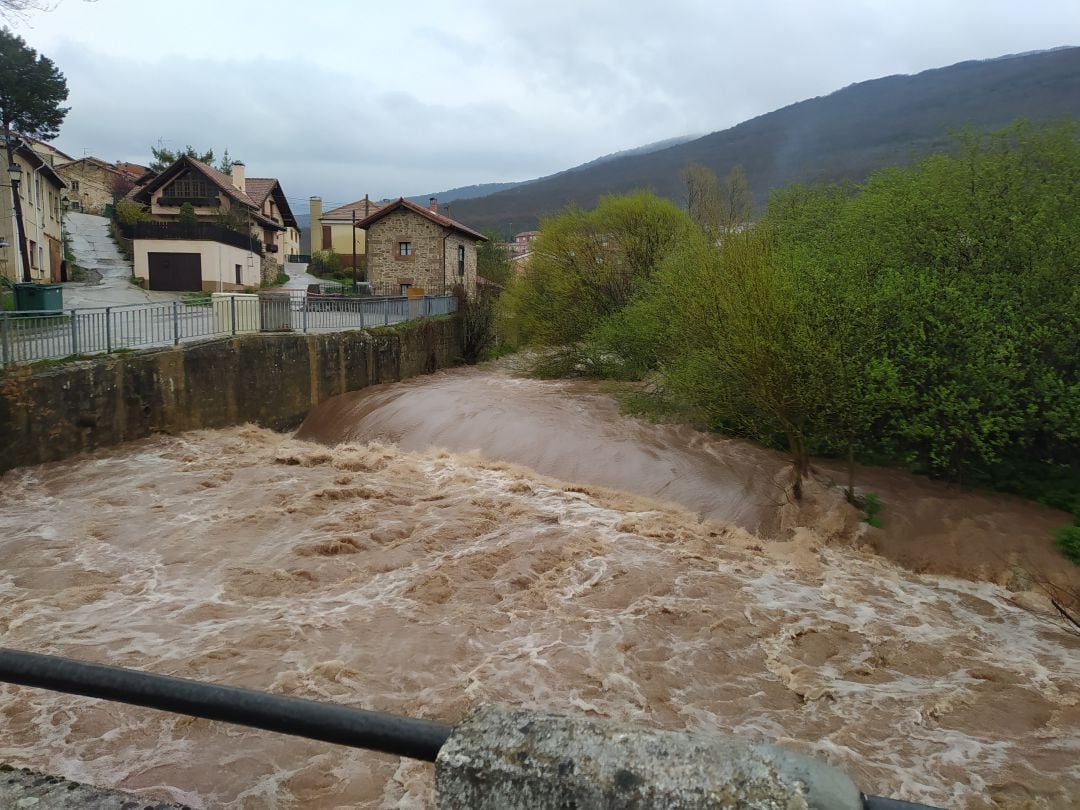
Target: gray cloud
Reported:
[(340, 100)]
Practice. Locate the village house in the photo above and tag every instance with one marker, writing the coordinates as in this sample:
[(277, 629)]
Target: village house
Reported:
[(333, 230), (93, 184), (520, 244), (409, 246), (238, 241), (41, 190), (49, 153)]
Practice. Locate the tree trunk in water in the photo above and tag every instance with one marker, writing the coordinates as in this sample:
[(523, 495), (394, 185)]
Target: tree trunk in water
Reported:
[(799, 464), (851, 474)]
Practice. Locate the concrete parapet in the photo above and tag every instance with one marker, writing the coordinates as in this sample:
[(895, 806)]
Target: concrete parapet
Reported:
[(504, 759)]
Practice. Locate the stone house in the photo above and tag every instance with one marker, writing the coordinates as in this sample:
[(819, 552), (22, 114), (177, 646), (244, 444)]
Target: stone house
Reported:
[(412, 246), (40, 192), (239, 241), (92, 184)]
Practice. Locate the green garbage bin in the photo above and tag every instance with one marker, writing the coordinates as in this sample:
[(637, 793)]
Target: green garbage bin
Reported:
[(39, 297)]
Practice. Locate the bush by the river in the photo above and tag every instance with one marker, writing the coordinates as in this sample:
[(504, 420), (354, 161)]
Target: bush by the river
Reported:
[(928, 318)]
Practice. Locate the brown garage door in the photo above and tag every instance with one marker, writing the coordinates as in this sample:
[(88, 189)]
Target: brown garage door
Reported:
[(175, 271)]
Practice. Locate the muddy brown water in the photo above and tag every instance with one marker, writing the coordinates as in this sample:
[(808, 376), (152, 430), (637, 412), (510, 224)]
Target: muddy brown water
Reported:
[(426, 581)]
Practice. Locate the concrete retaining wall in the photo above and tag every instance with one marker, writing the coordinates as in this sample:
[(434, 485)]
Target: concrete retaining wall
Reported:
[(51, 413)]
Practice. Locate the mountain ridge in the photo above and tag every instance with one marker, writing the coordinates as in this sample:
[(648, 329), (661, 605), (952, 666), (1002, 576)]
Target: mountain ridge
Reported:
[(843, 135)]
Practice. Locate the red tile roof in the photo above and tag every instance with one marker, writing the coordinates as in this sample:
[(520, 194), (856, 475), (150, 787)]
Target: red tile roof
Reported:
[(401, 202), (259, 188), (132, 170)]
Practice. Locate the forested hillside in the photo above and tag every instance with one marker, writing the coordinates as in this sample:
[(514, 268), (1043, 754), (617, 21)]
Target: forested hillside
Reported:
[(846, 134)]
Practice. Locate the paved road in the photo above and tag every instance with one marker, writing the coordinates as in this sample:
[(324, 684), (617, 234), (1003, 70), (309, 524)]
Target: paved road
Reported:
[(298, 276), (95, 250)]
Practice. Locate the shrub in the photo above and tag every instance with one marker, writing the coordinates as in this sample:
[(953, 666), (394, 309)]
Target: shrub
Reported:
[(478, 317), (325, 263), (187, 214), (1068, 540), (873, 506), (128, 212)]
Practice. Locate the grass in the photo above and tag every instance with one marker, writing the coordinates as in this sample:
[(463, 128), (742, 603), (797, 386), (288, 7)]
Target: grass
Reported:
[(202, 298), (7, 301)]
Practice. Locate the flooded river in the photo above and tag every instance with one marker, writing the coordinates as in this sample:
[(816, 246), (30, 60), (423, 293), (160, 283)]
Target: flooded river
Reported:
[(422, 581)]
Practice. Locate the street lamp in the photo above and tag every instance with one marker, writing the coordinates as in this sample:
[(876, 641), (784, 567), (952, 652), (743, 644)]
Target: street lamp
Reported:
[(14, 172)]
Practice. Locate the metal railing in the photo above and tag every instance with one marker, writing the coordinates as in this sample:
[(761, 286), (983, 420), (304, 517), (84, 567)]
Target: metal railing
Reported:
[(191, 230), (27, 337), (357, 728)]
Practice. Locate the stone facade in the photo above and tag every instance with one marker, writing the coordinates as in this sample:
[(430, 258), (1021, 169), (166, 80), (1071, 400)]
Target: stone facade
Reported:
[(90, 183), (434, 251)]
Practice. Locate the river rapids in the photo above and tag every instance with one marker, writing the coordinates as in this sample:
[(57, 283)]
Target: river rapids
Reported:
[(469, 538)]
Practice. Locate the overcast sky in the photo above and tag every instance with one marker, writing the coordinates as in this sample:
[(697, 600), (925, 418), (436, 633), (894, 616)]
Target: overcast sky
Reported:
[(340, 98)]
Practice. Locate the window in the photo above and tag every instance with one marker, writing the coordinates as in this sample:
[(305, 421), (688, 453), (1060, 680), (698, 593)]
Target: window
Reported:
[(404, 248), (189, 186), (403, 289), (461, 260), (74, 185), (239, 276), (33, 253)]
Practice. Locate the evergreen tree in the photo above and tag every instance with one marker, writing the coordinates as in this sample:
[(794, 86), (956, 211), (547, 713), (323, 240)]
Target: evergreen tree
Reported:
[(31, 91)]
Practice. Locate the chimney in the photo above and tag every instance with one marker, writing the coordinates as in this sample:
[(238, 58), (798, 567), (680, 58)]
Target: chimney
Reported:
[(367, 206), (315, 212), (238, 176), (433, 204)]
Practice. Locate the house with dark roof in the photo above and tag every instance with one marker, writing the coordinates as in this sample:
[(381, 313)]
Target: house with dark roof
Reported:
[(243, 232), (412, 246)]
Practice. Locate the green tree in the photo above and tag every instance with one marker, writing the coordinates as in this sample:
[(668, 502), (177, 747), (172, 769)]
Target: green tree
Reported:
[(163, 158), (587, 266), (492, 259), (226, 162), (702, 197), (736, 201), (187, 214), (32, 90)]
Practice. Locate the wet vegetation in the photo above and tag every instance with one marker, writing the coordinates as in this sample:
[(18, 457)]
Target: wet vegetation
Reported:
[(928, 318)]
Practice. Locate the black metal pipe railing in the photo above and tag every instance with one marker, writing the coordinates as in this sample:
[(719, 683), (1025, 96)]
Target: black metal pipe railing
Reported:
[(376, 731), (358, 728)]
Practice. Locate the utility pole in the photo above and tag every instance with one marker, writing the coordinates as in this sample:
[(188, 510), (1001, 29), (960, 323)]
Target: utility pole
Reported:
[(354, 250), (15, 172)]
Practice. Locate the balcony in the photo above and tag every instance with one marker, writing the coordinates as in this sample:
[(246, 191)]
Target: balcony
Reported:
[(197, 202), (200, 231)]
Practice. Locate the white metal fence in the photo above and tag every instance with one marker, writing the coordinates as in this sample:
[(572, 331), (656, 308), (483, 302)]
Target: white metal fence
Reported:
[(26, 337)]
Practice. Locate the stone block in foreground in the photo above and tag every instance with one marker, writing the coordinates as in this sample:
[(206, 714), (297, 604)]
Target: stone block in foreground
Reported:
[(504, 759), (25, 790)]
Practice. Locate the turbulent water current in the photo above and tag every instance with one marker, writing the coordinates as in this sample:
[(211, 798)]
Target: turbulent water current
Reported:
[(377, 570)]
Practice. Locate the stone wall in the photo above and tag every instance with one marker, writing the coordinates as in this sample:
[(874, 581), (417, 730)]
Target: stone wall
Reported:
[(423, 268), (51, 413)]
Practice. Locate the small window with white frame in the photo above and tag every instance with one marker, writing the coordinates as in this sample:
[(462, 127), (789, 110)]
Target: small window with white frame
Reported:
[(404, 249)]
